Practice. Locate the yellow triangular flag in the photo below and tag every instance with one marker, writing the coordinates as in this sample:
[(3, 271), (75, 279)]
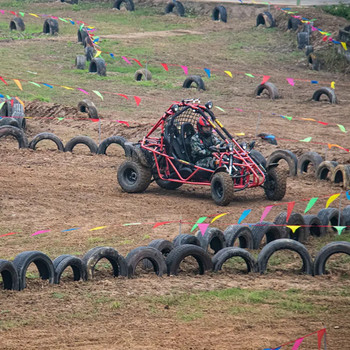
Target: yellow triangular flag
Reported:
[(228, 73), (66, 87), (97, 228), (333, 85), (33, 14), (18, 83), (98, 53), (293, 227), (344, 46), (217, 217), (331, 199)]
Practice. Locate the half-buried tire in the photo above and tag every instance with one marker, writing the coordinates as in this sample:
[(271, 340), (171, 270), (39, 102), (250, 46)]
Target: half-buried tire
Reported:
[(242, 234), (98, 65), (46, 136), (119, 140), (229, 252), (264, 229), (17, 133), (213, 238), (9, 275), (185, 238), (194, 79), (62, 262), (84, 140), (219, 14)]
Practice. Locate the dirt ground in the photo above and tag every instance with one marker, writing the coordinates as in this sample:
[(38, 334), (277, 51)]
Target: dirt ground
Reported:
[(49, 190)]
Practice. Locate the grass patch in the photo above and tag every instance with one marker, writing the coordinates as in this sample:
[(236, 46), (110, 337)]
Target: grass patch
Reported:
[(341, 10)]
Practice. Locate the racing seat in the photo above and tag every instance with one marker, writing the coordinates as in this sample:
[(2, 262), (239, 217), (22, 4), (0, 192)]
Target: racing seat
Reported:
[(187, 131)]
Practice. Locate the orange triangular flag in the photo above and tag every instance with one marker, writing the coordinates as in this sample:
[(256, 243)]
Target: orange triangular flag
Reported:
[(18, 83)]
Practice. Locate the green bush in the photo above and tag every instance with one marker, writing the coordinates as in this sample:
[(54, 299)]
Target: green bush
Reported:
[(340, 10)]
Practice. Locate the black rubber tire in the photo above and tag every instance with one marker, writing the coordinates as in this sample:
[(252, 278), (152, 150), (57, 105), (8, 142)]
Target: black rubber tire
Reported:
[(50, 26), (285, 244), (133, 177), (179, 253), (87, 106), (82, 34), (98, 65), (346, 215), (185, 238), (9, 275), (303, 40), (315, 62), (326, 252), (102, 148), (308, 158), (275, 184), (153, 255), (66, 260), (265, 19), (80, 62), (264, 228), (143, 74), (288, 156), (89, 53), (329, 92), (270, 88), (167, 185), (294, 23), (91, 258), (258, 158), (229, 252), (219, 14), (178, 5), (88, 41), (313, 225), (341, 176), (325, 171), (309, 49), (330, 216), (7, 121), (129, 4), (17, 112), (42, 262), (241, 233), (85, 140), (213, 238), (17, 24), (46, 136), (222, 190), (17, 133), (196, 79), (163, 245), (297, 219)]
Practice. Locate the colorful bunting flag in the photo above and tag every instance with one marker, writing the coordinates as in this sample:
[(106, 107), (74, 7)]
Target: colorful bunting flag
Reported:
[(332, 199), (203, 228), (265, 79), (249, 75), (160, 223), (199, 221), (40, 232), (228, 73), (185, 69), (347, 195), (333, 85), (320, 335), (35, 84), (314, 82), (293, 227), (126, 60), (138, 62), (308, 139), (339, 229), (71, 229), (220, 109), (165, 66), (18, 83), (98, 94), (311, 203), (218, 217), (50, 86), (244, 215), (297, 343), (290, 207), (291, 81), (344, 46), (1, 78), (341, 127), (207, 70), (97, 228), (82, 90), (137, 100), (265, 212)]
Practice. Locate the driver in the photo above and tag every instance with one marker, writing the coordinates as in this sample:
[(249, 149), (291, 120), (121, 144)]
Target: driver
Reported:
[(200, 143)]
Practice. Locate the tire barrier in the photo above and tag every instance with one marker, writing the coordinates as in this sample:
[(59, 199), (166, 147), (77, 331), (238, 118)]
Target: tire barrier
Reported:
[(266, 19), (84, 140), (219, 14), (119, 140), (89, 53), (325, 170), (184, 238), (307, 159), (179, 253), (265, 230), (50, 26), (18, 134), (270, 88), (13, 273), (17, 24), (308, 50), (87, 106), (213, 238), (326, 252), (294, 219), (180, 10), (163, 245), (294, 23), (80, 62), (314, 62), (46, 136), (143, 74), (330, 216), (341, 176), (194, 79), (129, 4), (241, 234), (328, 92), (286, 155), (229, 252), (97, 65), (82, 34), (313, 226), (346, 215), (303, 40), (285, 244)]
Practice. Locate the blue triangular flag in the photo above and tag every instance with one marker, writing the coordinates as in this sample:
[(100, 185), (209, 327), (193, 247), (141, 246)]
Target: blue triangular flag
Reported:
[(50, 86), (314, 82), (244, 215), (207, 70), (112, 55), (347, 195)]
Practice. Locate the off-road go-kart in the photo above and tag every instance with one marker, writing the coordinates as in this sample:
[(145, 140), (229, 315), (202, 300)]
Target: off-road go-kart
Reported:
[(165, 154)]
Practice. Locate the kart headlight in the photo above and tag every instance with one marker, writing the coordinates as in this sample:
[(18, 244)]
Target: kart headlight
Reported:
[(209, 105), (244, 145), (175, 108)]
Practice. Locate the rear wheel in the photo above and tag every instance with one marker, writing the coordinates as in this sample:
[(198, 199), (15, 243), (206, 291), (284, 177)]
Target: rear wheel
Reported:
[(222, 190), (275, 184), (133, 177)]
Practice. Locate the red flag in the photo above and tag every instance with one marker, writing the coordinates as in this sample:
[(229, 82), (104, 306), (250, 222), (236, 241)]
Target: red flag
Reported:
[(325, 38), (2, 79), (165, 66), (265, 79), (323, 123), (122, 95), (160, 223), (289, 210), (138, 62), (123, 122), (94, 120), (137, 100), (320, 335)]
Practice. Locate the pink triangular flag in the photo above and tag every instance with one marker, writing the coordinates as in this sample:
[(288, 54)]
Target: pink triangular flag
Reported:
[(137, 100), (291, 81), (297, 343), (203, 228), (313, 29), (265, 212), (185, 69), (165, 66), (265, 79), (289, 210), (126, 60)]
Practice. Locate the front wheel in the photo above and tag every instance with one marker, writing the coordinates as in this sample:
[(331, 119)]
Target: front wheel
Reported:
[(222, 190), (275, 184), (133, 177)]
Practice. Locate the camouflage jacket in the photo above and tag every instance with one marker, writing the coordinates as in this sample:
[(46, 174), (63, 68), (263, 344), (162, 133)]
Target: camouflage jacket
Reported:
[(200, 146)]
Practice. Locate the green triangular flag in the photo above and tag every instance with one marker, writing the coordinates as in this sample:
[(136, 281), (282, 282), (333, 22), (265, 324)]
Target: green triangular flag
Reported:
[(98, 94), (339, 229), (8, 97), (21, 13), (341, 127), (220, 109), (60, 118), (199, 221), (81, 27), (63, 20), (308, 139), (289, 118), (36, 84), (1, 104), (249, 75), (311, 203)]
